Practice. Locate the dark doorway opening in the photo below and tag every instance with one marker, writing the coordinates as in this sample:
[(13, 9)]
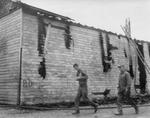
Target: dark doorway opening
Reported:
[(142, 71)]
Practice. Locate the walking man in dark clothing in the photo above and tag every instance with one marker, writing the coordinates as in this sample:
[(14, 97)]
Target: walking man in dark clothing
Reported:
[(124, 86), (82, 90)]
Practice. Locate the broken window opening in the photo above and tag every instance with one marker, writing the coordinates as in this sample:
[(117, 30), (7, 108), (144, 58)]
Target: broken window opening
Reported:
[(41, 43), (41, 36), (142, 71), (125, 53), (108, 60), (102, 50), (68, 37), (110, 47)]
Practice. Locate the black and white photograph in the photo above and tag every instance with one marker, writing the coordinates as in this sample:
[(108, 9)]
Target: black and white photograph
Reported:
[(74, 58)]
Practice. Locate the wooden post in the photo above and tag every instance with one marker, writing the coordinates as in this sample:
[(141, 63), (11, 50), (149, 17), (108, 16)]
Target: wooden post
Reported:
[(20, 78), (46, 39), (20, 67), (135, 72)]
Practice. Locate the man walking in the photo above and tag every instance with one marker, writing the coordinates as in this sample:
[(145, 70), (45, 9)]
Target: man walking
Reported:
[(124, 86), (82, 90)]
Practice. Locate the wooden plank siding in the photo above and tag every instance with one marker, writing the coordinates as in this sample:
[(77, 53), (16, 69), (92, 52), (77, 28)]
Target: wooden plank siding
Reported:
[(60, 83), (20, 80), (30, 59), (10, 37)]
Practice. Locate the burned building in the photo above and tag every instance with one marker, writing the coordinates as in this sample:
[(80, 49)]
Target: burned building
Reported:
[(38, 49)]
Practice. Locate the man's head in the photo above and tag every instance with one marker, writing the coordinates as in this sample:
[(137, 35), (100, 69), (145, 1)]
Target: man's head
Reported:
[(75, 66), (121, 68)]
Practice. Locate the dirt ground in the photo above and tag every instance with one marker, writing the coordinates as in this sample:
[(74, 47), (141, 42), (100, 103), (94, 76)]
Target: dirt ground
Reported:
[(102, 113)]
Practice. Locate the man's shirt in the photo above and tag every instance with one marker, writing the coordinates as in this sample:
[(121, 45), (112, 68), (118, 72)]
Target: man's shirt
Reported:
[(124, 81), (82, 78)]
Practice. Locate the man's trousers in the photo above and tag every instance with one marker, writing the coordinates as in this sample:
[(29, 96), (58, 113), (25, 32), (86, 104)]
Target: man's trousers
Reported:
[(124, 96), (82, 93)]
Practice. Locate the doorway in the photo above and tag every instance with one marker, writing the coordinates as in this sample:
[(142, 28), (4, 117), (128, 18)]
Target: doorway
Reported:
[(142, 71)]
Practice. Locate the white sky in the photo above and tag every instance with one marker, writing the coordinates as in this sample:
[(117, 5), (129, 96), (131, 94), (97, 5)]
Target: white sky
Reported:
[(103, 14)]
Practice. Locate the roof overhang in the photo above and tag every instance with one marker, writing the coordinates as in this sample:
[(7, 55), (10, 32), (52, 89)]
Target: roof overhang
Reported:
[(44, 13)]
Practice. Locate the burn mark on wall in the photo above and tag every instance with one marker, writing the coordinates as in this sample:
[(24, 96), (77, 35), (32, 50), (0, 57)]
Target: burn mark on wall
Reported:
[(102, 50), (41, 43), (125, 53), (142, 71), (107, 59), (41, 36), (42, 68), (131, 71), (149, 49), (68, 37)]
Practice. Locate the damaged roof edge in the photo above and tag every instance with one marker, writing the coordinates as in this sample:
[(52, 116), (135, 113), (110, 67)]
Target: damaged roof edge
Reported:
[(105, 31), (35, 10), (47, 13)]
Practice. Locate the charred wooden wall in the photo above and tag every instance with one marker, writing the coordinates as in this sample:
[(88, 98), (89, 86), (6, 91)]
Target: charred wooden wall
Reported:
[(85, 49), (51, 78)]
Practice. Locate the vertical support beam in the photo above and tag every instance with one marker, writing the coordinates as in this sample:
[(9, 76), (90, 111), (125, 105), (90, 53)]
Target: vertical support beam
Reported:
[(20, 62), (20, 78), (47, 37)]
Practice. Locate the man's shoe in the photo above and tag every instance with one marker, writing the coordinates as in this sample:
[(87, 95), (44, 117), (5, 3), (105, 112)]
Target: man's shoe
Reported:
[(118, 114), (136, 110), (75, 113), (95, 108)]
